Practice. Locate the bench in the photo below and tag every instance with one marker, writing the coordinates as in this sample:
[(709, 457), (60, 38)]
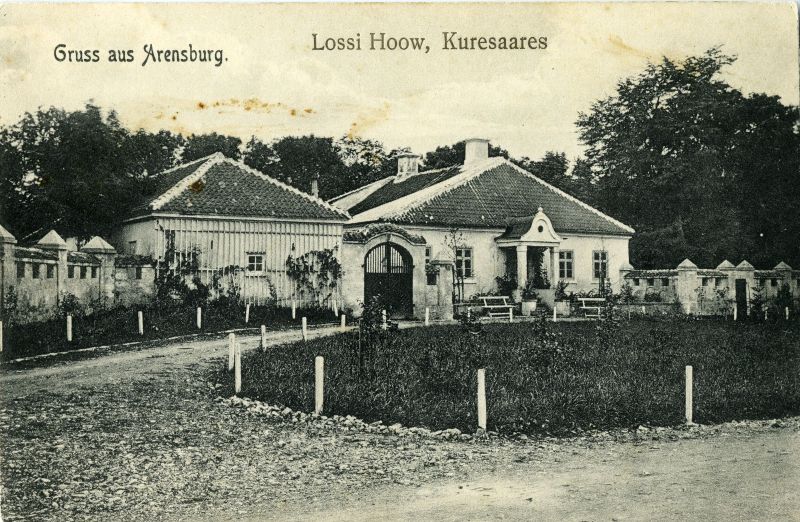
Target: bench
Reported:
[(591, 306), (496, 305)]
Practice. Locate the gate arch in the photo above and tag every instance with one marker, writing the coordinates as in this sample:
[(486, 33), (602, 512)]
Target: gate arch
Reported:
[(389, 276)]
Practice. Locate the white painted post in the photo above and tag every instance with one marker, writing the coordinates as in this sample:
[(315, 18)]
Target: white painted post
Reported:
[(482, 399), (343, 323), (510, 315), (231, 350), (319, 382), (644, 311), (69, 328), (294, 309), (141, 322), (427, 316), (305, 325), (734, 312), (689, 407), (237, 371), (247, 313), (469, 313), (765, 314), (384, 325), (1, 336), (785, 310), (263, 337), (199, 317), (555, 314)]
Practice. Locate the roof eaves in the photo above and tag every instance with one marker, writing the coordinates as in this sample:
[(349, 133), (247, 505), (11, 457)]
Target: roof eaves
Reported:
[(573, 198), (289, 188)]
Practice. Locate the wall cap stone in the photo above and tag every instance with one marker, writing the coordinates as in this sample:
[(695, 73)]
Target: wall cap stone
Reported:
[(52, 241)]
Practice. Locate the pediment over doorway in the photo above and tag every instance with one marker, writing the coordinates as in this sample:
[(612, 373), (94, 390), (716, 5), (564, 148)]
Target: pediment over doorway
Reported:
[(530, 230)]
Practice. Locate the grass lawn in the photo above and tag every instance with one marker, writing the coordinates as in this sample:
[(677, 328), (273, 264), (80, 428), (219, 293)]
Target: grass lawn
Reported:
[(120, 325), (542, 377)]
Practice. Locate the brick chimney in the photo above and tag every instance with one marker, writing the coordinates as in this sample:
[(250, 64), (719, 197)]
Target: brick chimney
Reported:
[(475, 149), (407, 165), (315, 186)]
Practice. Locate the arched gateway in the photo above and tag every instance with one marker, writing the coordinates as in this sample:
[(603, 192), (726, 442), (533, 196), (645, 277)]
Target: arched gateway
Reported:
[(388, 275)]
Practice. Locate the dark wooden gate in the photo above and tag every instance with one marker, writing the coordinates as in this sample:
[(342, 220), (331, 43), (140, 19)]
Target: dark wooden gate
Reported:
[(741, 298), (388, 275)]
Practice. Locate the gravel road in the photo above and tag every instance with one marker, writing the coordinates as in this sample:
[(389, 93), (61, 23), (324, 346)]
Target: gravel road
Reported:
[(139, 436)]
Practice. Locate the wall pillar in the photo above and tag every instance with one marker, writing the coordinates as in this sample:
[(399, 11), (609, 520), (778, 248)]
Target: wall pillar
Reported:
[(685, 287), (52, 241), (99, 248), (522, 270), (444, 288), (8, 269)]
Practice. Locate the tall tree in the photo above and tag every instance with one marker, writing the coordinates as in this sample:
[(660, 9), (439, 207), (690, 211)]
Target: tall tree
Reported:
[(202, 145), (677, 148)]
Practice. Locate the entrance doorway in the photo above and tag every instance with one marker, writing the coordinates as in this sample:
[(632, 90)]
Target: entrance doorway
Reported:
[(741, 298), (388, 276)]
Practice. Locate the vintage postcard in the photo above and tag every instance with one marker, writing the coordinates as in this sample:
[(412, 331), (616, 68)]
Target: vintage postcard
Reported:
[(402, 261)]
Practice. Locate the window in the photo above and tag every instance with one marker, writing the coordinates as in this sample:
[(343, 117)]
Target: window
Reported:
[(429, 274), (138, 272), (464, 262), (773, 282), (705, 281), (651, 282), (132, 247), (719, 281), (51, 271), (565, 266), (94, 272), (71, 271), (635, 281), (255, 262), (169, 241), (20, 270), (600, 264), (665, 281), (35, 270), (83, 272)]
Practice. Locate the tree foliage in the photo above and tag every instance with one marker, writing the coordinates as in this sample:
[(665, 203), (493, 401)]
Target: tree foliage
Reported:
[(698, 168)]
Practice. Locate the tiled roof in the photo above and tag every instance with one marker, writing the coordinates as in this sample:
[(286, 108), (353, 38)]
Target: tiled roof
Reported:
[(489, 195), (517, 228), (34, 253), (82, 257), (397, 189), (220, 186)]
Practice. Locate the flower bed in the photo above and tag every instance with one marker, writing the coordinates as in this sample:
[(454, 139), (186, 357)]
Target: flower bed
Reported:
[(553, 378)]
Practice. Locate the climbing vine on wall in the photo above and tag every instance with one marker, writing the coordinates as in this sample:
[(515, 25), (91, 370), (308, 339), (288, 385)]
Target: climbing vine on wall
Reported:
[(316, 274)]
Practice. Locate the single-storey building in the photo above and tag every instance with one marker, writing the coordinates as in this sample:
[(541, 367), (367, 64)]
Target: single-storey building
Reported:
[(232, 221), (487, 218)]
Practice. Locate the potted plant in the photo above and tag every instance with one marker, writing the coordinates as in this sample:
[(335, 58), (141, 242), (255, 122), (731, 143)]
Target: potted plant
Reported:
[(530, 299), (562, 300)]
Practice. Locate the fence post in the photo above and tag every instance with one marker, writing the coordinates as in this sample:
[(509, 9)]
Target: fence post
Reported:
[(785, 309), (263, 337), (510, 315), (231, 350), (305, 325), (1, 336), (555, 314), (469, 313), (69, 328), (383, 320), (141, 322), (247, 313), (482, 399), (199, 318), (427, 316), (343, 323), (689, 406), (294, 309), (644, 311), (237, 371), (765, 313), (734, 312), (319, 382)]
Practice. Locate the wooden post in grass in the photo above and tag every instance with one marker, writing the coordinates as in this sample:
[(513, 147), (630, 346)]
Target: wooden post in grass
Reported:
[(237, 370), (785, 310), (1, 336), (231, 350), (482, 399), (384, 325), (69, 328), (555, 314), (427, 316), (141, 322), (199, 318), (247, 313), (294, 309), (304, 327), (263, 337), (469, 313), (510, 315), (689, 406), (734, 313), (644, 311), (319, 382), (343, 323), (765, 314)]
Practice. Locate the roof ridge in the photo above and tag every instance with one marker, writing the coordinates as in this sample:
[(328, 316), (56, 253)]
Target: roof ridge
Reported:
[(314, 199), (362, 187), (468, 172), (181, 185), (570, 197)]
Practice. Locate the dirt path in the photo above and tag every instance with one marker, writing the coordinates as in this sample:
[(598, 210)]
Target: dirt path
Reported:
[(138, 436)]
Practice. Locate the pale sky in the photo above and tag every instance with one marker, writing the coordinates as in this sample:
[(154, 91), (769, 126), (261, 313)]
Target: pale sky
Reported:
[(273, 84)]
